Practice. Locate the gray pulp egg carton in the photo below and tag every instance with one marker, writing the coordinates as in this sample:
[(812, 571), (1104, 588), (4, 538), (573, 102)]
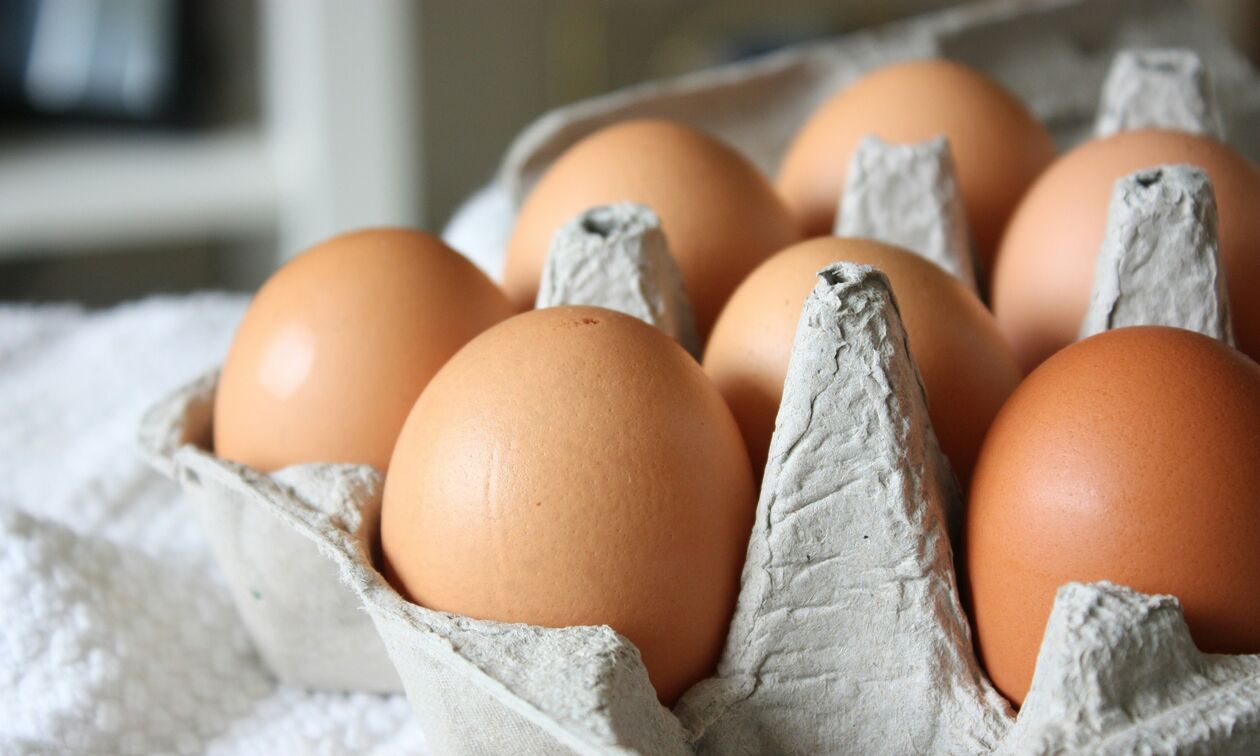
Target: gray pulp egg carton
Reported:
[(1160, 262), (308, 628), (848, 636)]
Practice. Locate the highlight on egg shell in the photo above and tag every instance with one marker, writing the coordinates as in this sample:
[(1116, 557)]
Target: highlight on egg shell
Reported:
[(575, 466), (1129, 456), (720, 215), (338, 343)]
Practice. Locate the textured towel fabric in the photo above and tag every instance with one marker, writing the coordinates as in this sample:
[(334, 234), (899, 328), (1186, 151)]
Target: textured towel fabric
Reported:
[(116, 632)]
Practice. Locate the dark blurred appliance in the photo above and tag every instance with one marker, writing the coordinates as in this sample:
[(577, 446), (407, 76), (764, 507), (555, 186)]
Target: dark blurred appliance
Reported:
[(131, 61)]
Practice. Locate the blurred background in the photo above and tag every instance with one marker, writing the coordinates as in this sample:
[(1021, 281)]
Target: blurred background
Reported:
[(170, 145)]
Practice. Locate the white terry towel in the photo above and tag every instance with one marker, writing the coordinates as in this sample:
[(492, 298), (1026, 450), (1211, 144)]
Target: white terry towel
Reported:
[(116, 633)]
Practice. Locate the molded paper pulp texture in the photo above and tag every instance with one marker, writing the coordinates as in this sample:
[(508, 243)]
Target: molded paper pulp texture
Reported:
[(906, 195), (308, 627), (1119, 674), (1163, 88), (848, 634), (1160, 261), (616, 256)]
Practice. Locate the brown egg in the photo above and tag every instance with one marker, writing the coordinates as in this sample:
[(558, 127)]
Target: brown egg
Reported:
[(967, 367), (575, 466), (998, 147), (1045, 269), (339, 342), (721, 217), (1130, 457)]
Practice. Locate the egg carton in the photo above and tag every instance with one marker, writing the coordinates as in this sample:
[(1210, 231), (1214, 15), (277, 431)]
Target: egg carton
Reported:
[(308, 628), (848, 635), (831, 650)]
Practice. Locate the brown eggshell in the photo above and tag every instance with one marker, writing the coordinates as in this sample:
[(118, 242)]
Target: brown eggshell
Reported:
[(1045, 269), (720, 216), (966, 365), (1130, 457), (575, 466), (339, 342), (997, 145)]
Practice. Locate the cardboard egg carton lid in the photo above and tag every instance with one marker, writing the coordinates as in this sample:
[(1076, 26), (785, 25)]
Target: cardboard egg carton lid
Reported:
[(1053, 54)]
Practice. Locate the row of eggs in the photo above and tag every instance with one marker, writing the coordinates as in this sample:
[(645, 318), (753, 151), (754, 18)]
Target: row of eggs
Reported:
[(574, 465)]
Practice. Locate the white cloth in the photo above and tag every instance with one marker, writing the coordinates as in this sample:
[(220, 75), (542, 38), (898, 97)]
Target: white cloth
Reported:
[(481, 227), (116, 632)]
